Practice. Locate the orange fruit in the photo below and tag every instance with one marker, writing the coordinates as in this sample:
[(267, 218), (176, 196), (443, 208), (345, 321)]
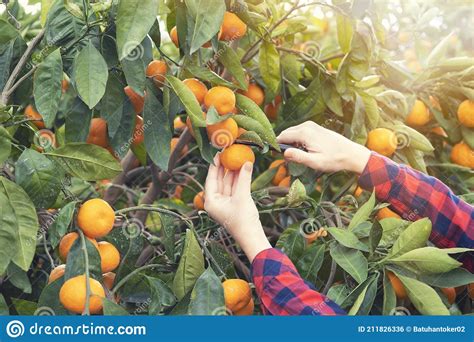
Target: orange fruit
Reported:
[(246, 310), (470, 290), (198, 88), (64, 85), (178, 192), (56, 273), (32, 114), (138, 132), (271, 109), (255, 93), (157, 71), (109, 256), (241, 131), (397, 285), (285, 182), (222, 98), (235, 156), (386, 213), (281, 171), (96, 218), (358, 191), (174, 142), (108, 279), (98, 133), (439, 131), (466, 113), (73, 295), (450, 293), (462, 154), (189, 124), (224, 133), (237, 294), (178, 124), (232, 27), (66, 243), (175, 39), (137, 100), (383, 141), (419, 115), (198, 201), (174, 36)]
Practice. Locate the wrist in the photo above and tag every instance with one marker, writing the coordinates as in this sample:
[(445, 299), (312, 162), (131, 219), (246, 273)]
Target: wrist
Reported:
[(357, 159), (253, 243)]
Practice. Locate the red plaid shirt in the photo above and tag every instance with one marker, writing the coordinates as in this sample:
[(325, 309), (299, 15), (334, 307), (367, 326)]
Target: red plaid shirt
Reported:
[(411, 194)]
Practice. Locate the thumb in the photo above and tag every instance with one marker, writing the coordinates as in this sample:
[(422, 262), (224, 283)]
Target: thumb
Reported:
[(245, 180), (298, 156)]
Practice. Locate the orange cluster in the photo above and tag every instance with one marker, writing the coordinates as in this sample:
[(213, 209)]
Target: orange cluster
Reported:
[(96, 219)]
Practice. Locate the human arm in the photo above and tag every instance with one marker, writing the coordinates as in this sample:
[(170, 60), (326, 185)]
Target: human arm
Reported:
[(277, 282), (410, 193)]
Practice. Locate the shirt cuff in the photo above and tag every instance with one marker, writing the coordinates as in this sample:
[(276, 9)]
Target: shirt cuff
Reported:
[(379, 173)]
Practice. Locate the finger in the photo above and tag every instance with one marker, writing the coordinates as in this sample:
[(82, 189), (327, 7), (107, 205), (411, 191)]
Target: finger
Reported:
[(211, 186), (220, 180), (244, 180), (301, 157), (228, 180), (291, 136)]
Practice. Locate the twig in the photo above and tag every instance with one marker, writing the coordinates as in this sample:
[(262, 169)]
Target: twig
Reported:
[(16, 71), (86, 262)]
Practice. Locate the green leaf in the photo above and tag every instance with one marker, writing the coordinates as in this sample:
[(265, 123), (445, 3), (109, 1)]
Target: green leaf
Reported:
[(134, 71), (161, 295), (365, 300), (113, 309), (375, 236), (190, 267), (111, 105), (414, 236), (389, 297), (310, 263), (344, 32), (428, 260), (204, 26), (8, 234), (61, 223), (439, 51), (351, 260), (134, 20), (158, 131), (5, 144), (412, 138), (39, 177), (7, 31), (48, 302), (263, 179), (90, 73), (76, 260), (25, 222), (347, 238), (18, 278), (363, 213), (4, 311), (297, 194), (222, 258), (78, 121), (252, 110), (208, 75), (231, 61), (86, 161), (207, 297), (123, 137), (47, 86), (454, 278), (45, 6), (269, 64), (371, 110), (189, 101), (292, 242), (423, 297)]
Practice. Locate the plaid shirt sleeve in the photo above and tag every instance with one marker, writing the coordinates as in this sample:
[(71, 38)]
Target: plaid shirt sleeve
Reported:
[(283, 291), (414, 195)]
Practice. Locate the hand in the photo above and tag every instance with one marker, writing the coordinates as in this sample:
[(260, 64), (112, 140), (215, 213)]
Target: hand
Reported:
[(228, 201), (328, 151)]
